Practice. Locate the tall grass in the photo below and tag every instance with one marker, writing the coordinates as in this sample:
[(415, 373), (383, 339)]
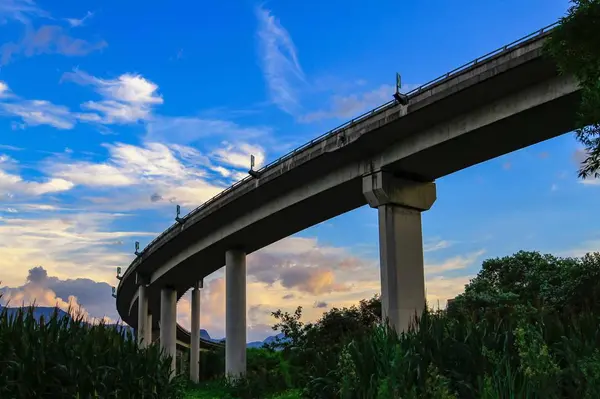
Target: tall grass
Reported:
[(541, 356), (66, 357)]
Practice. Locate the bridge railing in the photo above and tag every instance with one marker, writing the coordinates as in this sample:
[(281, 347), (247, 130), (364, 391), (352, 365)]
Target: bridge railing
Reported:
[(335, 131)]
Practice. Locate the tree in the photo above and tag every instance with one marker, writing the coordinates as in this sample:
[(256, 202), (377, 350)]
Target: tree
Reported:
[(575, 46), (532, 279), (323, 339)]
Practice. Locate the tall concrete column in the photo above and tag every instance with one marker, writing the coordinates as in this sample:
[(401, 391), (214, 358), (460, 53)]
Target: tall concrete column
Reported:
[(148, 335), (168, 324), (400, 203), (195, 344), (235, 313), (142, 321)]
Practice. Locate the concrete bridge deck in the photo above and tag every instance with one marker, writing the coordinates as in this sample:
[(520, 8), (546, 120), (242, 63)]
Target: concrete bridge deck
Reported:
[(502, 102)]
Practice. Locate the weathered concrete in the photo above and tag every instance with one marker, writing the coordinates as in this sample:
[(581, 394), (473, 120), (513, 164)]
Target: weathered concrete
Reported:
[(148, 335), (235, 313), (195, 334), (399, 203), (499, 105), (168, 324), (383, 188), (142, 312)]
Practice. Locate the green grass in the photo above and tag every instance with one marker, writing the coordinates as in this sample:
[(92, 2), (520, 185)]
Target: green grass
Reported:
[(216, 390)]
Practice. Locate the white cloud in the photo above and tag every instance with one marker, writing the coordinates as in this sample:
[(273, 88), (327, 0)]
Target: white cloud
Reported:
[(103, 174), (12, 185), (10, 147), (432, 246), (582, 249), (579, 156), (68, 245), (300, 271), (456, 263), (86, 296), (74, 22), (189, 130), (145, 176), (40, 112), (353, 105), (48, 39), (239, 155), (126, 99), (4, 90), (20, 10), (279, 61), (347, 107)]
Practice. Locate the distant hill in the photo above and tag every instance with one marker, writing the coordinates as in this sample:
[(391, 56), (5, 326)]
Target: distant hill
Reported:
[(268, 340), (255, 344), (204, 334), (48, 311)]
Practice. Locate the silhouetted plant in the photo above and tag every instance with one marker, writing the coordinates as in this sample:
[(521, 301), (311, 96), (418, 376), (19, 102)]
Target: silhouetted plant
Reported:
[(67, 357)]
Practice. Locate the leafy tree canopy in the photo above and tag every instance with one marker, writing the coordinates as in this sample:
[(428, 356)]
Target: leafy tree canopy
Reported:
[(575, 46), (537, 280)]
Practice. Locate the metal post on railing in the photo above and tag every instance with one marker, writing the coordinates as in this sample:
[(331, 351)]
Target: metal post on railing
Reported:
[(342, 127)]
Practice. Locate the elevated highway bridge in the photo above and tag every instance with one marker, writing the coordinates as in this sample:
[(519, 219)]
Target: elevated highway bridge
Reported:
[(388, 158)]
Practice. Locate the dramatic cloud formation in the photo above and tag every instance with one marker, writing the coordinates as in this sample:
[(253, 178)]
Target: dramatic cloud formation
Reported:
[(67, 243), (297, 271), (92, 298)]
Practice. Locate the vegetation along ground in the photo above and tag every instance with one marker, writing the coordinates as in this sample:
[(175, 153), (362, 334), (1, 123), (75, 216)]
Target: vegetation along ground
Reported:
[(528, 326)]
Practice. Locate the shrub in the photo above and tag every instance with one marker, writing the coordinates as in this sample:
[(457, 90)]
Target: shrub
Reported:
[(66, 357), (527, 326)]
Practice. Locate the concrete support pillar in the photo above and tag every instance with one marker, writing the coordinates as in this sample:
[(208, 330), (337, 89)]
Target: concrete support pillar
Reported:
[(235, 313), (142, 321), (148, 335), (400, 203), (168, 324), (195, 333)]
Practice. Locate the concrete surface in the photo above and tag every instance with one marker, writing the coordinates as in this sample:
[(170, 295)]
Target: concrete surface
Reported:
[(235, 313), (195, 334), (502, 104)]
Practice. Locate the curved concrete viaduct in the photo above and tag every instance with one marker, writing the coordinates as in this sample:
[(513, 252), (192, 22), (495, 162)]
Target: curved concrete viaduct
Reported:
[(388, 158)]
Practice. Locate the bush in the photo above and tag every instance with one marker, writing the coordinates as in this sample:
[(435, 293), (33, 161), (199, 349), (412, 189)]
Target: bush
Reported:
[(527, 326), (267, 373), (66, 357)]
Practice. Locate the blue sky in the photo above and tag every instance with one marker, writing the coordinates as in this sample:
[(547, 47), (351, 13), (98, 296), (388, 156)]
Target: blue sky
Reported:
[(111, 113)]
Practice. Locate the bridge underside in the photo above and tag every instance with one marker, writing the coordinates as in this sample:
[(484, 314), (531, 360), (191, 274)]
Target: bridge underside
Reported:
[(486, 112), (341, 190)]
